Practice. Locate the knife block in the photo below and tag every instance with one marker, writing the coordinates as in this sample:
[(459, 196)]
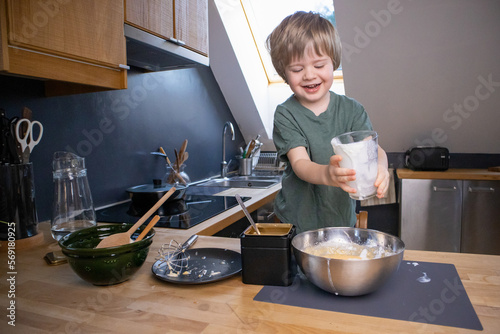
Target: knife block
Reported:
[(266, 259)]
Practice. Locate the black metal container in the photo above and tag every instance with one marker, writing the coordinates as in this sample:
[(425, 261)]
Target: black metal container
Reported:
[(266, 259), (18, 214)]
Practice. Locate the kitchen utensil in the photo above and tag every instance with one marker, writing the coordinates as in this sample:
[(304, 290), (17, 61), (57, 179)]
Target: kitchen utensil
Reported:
[(176, 172), (14, 153), (105, 266), (250, 149), (240, 202), (159, 153), (181, 159), (4, 127), (27, 114), (206, 265), (359, 151), (344, 274), (177, 157), (173, 255), (124, 238), (73, 208), (28, 140), (147, 228)]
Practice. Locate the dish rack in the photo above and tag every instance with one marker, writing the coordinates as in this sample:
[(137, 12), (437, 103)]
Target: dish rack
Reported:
[(267, 161)]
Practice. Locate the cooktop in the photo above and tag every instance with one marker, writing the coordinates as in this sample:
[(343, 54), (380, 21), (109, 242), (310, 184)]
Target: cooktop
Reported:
[(181, 214)]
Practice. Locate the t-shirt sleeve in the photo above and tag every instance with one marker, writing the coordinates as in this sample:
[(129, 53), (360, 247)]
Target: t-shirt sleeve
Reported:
[(286, 133), (359, 119)]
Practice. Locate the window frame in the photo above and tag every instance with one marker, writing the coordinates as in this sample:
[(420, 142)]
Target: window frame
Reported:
[(265, 59)]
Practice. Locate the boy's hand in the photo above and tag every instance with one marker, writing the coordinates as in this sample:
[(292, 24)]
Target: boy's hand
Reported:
[(339, 176), (382, 181)]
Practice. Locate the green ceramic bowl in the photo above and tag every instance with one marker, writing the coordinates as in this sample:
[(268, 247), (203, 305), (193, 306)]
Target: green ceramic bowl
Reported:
[(105, 266)]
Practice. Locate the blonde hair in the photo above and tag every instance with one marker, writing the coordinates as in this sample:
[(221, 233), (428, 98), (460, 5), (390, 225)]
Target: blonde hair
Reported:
[(290, 38)]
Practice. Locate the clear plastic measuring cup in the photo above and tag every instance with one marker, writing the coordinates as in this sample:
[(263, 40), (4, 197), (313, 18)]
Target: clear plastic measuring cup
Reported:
[(359, 151)]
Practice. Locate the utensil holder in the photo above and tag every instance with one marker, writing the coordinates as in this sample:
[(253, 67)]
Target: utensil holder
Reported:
[(266, 258), (245, 166), (17, 202)]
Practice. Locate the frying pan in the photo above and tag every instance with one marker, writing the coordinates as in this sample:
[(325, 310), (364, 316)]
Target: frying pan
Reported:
[(205, 265)]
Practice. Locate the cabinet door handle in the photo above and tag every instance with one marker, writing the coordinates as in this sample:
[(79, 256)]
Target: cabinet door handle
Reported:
[(176, 41), (444, 189), (481, 190)]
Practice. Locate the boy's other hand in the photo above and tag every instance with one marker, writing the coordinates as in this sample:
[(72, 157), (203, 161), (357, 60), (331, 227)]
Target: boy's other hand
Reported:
[(382, 181)]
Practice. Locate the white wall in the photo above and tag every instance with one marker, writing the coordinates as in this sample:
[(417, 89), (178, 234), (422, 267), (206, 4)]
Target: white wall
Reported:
[(427, 71), (237, 68)]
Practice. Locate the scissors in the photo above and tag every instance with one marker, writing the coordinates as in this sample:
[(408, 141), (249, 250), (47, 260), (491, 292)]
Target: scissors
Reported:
[(26, 139)]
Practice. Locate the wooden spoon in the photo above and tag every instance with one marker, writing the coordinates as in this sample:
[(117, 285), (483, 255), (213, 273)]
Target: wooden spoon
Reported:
[(147, 228), (181, 152), (123, 238), (250, 149), (173, 169)]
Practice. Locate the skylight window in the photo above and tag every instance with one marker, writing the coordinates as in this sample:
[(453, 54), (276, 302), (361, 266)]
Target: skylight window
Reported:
[(264, 15)]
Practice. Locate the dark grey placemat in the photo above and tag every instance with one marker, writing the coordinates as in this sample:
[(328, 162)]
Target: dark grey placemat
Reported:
[(406, 296)]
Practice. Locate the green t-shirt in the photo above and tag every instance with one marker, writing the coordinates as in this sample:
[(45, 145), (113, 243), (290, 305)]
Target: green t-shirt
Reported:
[(305, 205)]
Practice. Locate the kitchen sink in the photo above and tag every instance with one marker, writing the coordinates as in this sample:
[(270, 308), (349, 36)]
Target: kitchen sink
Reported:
[(262, 182)]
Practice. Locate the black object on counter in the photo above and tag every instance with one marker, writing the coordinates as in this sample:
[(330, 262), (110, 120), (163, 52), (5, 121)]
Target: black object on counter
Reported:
[(422, 292), (18, 214), (422, 158), (267, 257)]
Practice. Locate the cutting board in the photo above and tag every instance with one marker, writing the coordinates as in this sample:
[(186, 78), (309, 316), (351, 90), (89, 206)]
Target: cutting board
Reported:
[(419, 291)]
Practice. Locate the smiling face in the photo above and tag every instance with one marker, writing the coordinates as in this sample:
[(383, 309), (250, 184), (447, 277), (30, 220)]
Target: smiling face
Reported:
[(310, 78)]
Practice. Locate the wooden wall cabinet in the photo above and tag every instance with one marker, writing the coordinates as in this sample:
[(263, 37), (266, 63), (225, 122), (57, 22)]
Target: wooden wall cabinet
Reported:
[(184, 22), (72, 44)]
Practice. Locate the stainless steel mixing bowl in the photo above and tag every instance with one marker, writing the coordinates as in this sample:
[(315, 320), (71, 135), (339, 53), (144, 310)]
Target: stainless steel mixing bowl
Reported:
[(348, 277)]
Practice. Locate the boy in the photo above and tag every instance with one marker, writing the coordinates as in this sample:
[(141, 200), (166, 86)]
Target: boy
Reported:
[(305, 50)]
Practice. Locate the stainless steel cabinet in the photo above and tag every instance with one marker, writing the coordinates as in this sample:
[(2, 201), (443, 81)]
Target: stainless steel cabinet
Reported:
[(450, 215), (481, 217), (430, 215)]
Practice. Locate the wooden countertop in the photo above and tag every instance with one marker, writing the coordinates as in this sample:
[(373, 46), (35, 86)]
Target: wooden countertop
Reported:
[(450, 174), (52, 299)]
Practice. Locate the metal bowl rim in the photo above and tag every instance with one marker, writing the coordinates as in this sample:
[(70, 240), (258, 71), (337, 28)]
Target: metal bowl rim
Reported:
[(297, 237)]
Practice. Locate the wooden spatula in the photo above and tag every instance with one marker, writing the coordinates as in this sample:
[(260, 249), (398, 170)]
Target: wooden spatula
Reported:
[(147, 228), (124, 237)]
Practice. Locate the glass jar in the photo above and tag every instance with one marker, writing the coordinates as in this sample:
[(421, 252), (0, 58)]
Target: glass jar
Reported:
[(171, 177)]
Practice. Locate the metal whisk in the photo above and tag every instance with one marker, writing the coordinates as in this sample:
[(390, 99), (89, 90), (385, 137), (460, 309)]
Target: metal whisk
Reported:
[(173, 256)]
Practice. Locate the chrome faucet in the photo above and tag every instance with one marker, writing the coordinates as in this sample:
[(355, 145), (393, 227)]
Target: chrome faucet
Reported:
[(223, 164)]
